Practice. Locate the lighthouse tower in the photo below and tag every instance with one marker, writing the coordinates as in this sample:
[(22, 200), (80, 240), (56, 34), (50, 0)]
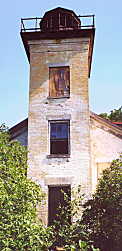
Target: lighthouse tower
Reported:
[(59, 50)]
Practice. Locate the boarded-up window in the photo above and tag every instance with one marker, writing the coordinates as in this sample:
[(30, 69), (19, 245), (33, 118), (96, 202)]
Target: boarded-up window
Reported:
[(59, 137), (59, 81)]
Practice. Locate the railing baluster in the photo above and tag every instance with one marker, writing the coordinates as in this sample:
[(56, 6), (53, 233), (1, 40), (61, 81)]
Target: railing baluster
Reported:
[(21, 24), (93, 21), (36, 23)]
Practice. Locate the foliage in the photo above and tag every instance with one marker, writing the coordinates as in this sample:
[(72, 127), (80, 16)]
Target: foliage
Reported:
[(102, 216), (68, 230), (19, 227), (115, 115), (104, 115)]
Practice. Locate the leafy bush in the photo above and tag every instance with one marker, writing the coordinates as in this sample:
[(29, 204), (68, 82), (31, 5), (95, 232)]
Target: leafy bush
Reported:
[(103, 213), (68, 232), (19, 227)]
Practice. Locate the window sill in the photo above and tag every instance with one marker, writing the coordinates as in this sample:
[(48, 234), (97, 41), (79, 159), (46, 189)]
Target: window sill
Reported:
[(50, 156), (49, 97)]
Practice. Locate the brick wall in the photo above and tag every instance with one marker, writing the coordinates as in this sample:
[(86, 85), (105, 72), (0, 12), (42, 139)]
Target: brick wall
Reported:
[(55, 171), (106, 145)]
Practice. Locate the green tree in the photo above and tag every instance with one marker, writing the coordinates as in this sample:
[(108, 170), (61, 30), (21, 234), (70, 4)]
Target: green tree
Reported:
[(19, 227), (115, 115), (102, 216), (68, 232)]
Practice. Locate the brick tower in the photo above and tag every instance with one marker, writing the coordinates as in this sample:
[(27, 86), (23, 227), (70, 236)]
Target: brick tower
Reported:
[(60, 54)]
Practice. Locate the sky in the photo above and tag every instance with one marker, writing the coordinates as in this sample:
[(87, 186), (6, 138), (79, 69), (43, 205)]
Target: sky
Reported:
[(105, 83)]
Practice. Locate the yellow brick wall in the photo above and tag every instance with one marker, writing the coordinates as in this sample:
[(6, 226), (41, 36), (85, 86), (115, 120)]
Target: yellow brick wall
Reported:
[(76, 169), (106, 145)]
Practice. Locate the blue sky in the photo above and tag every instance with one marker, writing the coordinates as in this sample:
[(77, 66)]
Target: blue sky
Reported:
[(105, 84)]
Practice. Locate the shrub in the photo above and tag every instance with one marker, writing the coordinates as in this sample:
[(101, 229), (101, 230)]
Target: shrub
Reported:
[(19, 227), (68, 231), (102, 216)]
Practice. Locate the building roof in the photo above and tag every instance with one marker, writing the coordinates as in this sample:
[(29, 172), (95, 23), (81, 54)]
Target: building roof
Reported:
[(113, 128), (19, 128), (60, 9)]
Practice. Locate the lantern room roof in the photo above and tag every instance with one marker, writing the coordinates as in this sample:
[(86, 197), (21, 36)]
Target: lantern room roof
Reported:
[(58, 19), (60, 9)]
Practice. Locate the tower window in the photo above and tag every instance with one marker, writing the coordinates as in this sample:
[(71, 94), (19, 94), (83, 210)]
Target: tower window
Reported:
[(59, 137), (57, 198), (59, 81)]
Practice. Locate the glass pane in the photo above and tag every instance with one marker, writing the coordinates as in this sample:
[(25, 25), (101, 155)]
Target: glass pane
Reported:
[(59, 146), (64, 131), (53, 131), (59, 130)]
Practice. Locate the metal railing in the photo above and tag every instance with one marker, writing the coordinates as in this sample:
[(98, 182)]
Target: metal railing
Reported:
[(33, 24)]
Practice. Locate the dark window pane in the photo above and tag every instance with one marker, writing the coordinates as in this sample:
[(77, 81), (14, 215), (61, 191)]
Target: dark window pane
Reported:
[(65, 131), (53, 131), (59, 130), (59, 147), (59, 139), (62, 131), (62, 19), (56, 198)]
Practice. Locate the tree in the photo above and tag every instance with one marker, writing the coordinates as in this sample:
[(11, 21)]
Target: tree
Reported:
[(68, 232), (103, 213), (115, 115), (19, 227)]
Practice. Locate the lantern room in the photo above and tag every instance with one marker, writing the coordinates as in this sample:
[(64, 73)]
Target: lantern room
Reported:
[(60, 19)]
